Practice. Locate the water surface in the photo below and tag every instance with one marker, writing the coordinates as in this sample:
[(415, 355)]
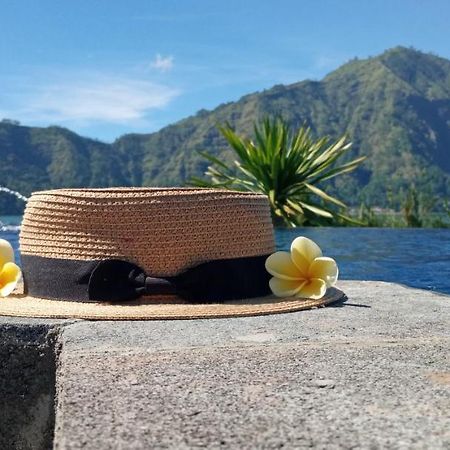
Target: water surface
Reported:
[(415, 257)]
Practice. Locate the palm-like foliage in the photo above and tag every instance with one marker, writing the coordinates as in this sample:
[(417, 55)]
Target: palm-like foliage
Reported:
[(285, 166)]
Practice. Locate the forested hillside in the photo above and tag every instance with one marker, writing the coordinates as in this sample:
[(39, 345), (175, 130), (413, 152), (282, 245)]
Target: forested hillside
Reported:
[(395, 107)]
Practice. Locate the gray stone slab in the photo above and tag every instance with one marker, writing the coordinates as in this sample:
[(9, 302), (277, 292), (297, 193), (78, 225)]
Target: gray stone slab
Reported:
[(28, 359), (373, 373), (27, 386), (373, 310)]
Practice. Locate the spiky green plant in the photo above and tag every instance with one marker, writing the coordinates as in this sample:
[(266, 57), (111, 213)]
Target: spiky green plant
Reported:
[(287, 167)]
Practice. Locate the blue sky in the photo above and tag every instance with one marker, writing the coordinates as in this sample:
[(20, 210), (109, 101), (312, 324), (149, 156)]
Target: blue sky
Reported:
[(104, 68)]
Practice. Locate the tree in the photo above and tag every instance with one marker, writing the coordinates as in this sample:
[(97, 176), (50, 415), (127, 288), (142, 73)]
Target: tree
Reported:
[(287, 167)]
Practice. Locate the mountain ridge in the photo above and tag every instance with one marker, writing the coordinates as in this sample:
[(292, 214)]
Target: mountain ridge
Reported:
[(395, 107)]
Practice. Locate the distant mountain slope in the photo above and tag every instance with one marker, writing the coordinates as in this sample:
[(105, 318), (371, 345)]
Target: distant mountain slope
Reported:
[(38, 158), (395, 107)]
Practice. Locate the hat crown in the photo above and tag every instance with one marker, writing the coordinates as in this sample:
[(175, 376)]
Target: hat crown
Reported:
[(163, 230)]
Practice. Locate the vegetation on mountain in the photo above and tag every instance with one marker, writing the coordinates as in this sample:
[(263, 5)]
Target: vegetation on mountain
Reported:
[(395, 108), (285, 166)]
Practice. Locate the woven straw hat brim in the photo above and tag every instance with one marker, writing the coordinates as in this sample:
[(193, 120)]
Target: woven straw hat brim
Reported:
[(147, 309)]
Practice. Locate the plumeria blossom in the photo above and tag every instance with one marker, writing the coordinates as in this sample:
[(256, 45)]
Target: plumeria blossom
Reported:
[(9, 271), (303, 272)]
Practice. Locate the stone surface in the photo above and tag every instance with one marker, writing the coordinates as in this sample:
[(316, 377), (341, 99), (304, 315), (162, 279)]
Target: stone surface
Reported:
[(369, 374), (28, 350), (372, 373)]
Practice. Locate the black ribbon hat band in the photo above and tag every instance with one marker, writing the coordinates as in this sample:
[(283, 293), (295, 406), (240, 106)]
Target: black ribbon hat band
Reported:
[(115, 280)]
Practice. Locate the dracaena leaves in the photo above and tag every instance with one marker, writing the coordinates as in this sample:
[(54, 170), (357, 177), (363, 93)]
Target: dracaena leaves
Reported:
[(286, 166)]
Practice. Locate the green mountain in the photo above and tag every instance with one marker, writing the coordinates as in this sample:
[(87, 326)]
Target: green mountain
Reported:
[(395, 107)]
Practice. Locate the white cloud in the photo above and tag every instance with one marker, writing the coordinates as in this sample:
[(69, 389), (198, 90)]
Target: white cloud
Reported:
[(163, 64), (88, 97)]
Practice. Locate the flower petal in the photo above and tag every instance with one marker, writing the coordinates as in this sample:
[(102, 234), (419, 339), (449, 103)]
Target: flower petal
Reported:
[(304, 251), (324, 268), (9, 277), (315, 288), (285, 288), (280, 265), (6, 252)]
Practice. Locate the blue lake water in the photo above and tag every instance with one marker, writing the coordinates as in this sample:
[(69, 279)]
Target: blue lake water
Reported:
[(415, 257)]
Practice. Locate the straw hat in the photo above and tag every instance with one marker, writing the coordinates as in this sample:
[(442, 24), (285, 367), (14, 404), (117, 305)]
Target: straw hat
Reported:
[(148, 253)]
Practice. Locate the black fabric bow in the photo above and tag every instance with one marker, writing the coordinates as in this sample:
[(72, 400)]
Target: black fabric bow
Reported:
[(215, 281)]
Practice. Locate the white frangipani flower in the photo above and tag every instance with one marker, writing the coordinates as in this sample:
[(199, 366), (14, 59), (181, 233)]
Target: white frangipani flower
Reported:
[(303, 272), (9, 271)]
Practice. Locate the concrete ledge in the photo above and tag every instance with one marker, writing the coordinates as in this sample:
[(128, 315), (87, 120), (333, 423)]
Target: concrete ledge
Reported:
[(371, 373), (28, 354)]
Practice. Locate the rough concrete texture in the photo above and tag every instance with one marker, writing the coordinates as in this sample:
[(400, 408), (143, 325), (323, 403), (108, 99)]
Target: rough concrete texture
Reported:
[(27, 383), (372, 373), (369, 374)]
